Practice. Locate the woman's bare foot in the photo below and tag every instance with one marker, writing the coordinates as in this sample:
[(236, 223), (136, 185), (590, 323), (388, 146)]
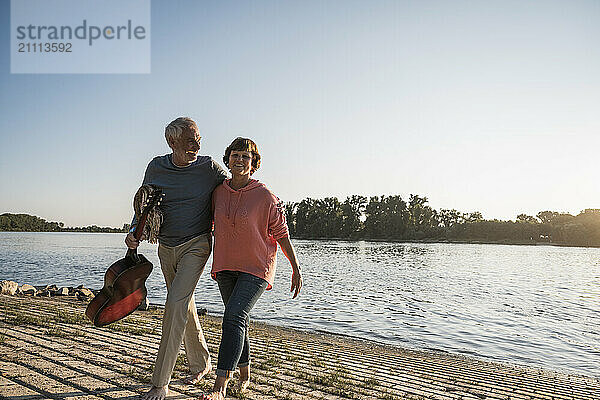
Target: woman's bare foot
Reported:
[(212, 396), (244, 378), (156, 393), (219, 389), (195, 378)]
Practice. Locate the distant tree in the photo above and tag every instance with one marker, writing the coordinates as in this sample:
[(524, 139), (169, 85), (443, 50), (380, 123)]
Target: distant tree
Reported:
[(583, 229), (303, 222), (473, 217), (391, 218), (26, 223), (449, 218), (290, 216), (526, 218), (423, 220), (352, 210), (324, 218), (31, 223), (375, 219), (554, 218), (398, 217)]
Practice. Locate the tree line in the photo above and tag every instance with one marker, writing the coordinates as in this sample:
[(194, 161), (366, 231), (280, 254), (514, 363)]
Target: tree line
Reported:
[(31, 223), (395, 219)]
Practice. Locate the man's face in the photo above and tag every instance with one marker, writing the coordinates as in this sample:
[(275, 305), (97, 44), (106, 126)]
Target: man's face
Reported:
[(185, 148)]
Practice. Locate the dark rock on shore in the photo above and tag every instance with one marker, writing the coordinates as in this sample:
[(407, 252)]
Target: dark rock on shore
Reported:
[(12, 288), (63, 291), (9, 287), (28, 290), (83, 293)]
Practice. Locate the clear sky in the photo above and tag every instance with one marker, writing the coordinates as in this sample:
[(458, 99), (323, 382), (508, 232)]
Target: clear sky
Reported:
[(490, 106)]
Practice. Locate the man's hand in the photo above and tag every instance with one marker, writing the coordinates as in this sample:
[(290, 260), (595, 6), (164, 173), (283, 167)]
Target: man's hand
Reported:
[(132, 242)]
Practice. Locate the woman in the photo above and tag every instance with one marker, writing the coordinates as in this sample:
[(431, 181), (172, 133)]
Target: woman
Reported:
[(249, 222)]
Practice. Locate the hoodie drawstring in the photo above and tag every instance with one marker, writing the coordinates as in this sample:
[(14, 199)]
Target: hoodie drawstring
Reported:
[(230, 192), (235, 208)]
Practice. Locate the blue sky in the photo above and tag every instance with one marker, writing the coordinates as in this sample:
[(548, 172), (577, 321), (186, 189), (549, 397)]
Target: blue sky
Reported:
[(478, 105)]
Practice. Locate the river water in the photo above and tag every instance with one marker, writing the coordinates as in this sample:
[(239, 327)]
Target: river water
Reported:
[(537, 306)]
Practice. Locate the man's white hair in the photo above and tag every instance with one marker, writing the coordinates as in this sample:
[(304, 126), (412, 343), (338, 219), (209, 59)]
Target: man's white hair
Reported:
[(176, 127)]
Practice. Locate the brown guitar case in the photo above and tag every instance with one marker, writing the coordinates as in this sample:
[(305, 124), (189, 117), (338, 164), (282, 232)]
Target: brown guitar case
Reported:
[(124, 281)]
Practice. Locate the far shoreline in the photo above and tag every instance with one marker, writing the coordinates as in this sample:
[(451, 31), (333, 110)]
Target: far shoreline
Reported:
[(448, 241), (416, 241)]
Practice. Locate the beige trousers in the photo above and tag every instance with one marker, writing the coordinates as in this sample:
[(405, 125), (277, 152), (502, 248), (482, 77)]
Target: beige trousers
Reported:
[(182, 266)]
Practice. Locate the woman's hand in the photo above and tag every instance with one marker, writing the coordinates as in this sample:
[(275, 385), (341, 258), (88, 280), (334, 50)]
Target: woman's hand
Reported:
[(290, 253), (296, 283)]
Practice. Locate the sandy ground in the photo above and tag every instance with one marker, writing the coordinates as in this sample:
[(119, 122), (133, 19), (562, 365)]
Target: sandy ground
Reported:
[(48, 350)]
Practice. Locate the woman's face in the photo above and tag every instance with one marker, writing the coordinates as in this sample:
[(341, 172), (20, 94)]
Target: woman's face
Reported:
[(240, 162)]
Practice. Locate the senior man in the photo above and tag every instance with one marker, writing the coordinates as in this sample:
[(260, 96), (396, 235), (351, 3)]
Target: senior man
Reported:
[(187, 181)]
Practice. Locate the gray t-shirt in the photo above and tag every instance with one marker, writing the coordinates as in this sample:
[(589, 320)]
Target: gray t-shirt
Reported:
[(186, 205)]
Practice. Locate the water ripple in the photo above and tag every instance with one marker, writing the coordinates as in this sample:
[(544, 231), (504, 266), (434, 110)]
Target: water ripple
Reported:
[(532, 305)]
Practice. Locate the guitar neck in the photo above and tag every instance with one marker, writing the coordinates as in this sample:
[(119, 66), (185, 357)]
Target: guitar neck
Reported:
[(152, 202), (139, 228)]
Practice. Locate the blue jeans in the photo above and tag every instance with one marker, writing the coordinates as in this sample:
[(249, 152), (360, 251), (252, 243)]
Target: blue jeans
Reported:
[(239, 291)]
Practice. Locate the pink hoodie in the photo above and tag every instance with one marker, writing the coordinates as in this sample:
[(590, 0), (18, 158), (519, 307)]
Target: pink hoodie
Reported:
[(247, 224)]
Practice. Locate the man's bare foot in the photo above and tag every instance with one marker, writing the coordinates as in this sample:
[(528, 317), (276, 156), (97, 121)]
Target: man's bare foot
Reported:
[(156, 393), (195, 378), (244, 378)]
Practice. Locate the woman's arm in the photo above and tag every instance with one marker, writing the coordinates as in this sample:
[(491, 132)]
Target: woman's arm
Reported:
[(290, 253)]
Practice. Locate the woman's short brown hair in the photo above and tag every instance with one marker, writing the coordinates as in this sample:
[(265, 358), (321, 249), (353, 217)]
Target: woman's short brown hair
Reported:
[(243, 144)]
